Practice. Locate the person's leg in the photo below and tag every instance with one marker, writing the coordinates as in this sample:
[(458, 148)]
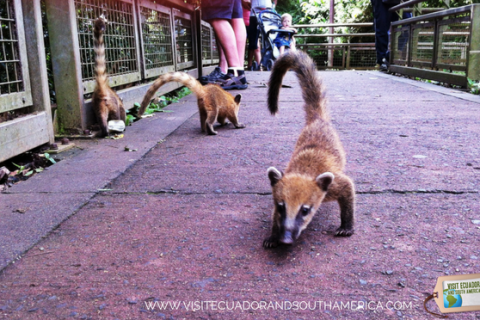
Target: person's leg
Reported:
[(251, 31), (238, 26), (258, 54), (281, 49), (225, 35), (223, 60), (381, 18)]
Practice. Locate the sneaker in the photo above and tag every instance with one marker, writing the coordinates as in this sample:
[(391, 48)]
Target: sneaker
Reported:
[(233, 83), (213, 76)]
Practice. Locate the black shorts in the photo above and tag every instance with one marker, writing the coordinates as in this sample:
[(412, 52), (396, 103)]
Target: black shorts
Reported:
[(222, 9)]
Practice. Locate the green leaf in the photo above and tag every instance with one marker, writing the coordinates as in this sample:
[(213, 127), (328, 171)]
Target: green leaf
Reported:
[(48, 157), (29, 173), (129, 119), (19, 167)]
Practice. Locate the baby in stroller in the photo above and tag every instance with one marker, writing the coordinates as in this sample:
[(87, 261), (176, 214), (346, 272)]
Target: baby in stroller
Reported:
[(271, 27), (285, 39)]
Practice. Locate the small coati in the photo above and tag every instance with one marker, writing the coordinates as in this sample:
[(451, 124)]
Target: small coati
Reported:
[(107, 105), (315, 171), (214, 103)]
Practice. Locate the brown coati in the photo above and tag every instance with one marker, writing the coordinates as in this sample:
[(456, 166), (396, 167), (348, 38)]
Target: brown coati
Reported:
[(315, 171), (107, 105), (214, 103)]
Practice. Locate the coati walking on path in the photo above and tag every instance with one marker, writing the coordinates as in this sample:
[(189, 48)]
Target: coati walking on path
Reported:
[(107, 105), (214, 103), (315, 171)]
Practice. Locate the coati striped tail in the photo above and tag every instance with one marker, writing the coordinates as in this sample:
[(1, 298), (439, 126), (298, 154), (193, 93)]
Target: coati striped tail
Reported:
[(306, 71), (182, 77), (99, 48)]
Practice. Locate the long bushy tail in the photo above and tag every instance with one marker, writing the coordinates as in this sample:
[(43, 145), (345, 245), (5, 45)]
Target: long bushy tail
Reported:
[(312, 89), (182, 77), (99, 48)]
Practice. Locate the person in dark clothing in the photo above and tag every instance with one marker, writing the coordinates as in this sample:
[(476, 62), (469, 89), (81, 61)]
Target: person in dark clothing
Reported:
[(382, 18)]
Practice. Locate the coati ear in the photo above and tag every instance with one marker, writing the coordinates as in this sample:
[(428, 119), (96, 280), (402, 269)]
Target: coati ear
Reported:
[(274, 175), (324, 180), (238, 97)]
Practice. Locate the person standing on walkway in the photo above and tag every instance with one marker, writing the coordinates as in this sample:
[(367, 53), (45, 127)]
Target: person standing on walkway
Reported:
[(253, 33), (382, 18), (226, 18)]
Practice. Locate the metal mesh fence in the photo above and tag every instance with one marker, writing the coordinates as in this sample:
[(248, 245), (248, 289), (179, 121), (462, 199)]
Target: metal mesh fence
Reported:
[(157, 38), (215, 53), (206, 43), (401, 44), (423, 37), (453, 44), (10, 68), (119, 37), (184, 37), (320, 55), (362, 57)]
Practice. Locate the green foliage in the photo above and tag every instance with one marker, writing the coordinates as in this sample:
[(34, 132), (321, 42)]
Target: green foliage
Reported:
[(474, 86), (49, 158), (157, 106), (129, 119)]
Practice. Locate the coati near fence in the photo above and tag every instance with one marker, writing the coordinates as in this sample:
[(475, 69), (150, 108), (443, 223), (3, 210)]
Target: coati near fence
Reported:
[(106, 104)]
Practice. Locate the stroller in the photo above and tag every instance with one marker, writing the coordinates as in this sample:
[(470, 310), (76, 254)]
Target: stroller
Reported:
[(269, 24)]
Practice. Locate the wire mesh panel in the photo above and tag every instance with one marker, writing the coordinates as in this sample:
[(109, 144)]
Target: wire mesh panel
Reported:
[(14, 81), (119, 38), (362, 57), (215, 52), (10, 68), (454, 37), (157, 39), (319, 53), (206, 43), (400, 44), (183, 40), (422, 48)]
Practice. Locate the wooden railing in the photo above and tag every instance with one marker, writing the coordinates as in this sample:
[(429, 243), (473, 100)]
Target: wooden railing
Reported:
[(443, 46), (330, 54)]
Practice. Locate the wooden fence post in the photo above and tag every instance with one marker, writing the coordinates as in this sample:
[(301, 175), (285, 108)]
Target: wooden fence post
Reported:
[(473, 71), (67, 72), (32, 17)]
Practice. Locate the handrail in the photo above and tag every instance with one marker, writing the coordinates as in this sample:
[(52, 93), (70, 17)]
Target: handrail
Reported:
[(433, 15), (328, 25), (305, 35), (405, 5)]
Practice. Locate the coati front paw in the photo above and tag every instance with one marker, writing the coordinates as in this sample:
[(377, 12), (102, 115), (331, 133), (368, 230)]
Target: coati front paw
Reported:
[(344, 232), (270, 242)]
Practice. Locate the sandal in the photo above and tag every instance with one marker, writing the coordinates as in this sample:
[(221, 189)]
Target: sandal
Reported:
[(233, 83)]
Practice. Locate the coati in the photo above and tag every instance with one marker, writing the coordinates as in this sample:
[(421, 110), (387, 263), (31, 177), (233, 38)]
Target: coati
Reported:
[(107, 105), (315, 171), (214, 103)]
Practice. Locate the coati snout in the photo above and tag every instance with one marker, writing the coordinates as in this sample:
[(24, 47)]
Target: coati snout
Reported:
[(296, 198)]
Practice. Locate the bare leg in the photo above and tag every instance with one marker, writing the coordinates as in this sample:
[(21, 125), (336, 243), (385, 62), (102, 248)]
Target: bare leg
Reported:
[(240, 31), (223, 60), (226, 36)]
